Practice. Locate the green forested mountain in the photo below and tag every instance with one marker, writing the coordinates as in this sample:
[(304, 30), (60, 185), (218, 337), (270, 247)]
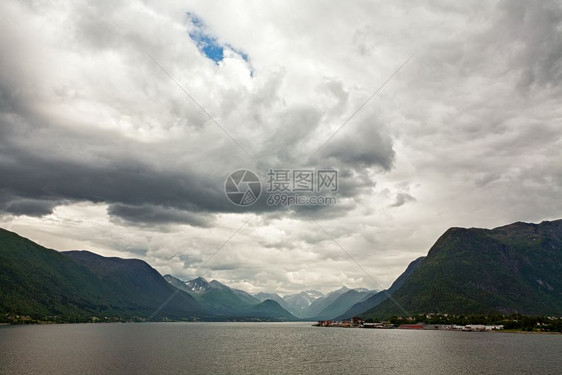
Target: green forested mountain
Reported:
[(40, 282), (138, 285), (220, 300), (78, 285), (214, 297), (511, 269)]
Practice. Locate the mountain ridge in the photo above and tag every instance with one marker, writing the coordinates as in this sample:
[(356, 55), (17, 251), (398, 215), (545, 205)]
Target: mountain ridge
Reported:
[(223, 301), (513, 268), (39, 282)]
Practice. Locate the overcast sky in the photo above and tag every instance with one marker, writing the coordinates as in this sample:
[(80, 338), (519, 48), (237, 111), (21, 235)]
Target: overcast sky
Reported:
[(101, 150)]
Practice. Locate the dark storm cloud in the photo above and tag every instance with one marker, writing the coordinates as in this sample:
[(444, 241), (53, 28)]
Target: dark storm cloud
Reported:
[(136, 189), (122, 181), (30, 207), (151, 214), (48, 159), (52, 154), (361, 145), (74, 167)]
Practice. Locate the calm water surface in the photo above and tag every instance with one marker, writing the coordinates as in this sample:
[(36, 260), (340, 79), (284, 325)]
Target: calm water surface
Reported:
[(269, 348)]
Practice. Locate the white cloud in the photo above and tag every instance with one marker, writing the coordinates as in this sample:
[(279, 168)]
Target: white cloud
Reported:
[(97, 138)]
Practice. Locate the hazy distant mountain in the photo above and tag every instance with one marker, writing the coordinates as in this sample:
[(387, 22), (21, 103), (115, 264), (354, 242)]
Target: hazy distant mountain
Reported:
[(374, 299), (214, 297), (199, 285), (342, 303), (245, 296), (220, 300), (40, 282), (514, 268), (177, 283), (315, 305), (272, 310), (362, 290), (321, 303), (275, 297), (336, 302), (299, 303)]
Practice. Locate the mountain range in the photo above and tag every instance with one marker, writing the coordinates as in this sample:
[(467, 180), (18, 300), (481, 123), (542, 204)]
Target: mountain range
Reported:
[(314, 305), (511, 269), (76, 285), (515, 268), (219, 301), (217, 298)]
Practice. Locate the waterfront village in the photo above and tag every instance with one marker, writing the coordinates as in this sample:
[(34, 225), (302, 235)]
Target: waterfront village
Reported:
[(357, 322)]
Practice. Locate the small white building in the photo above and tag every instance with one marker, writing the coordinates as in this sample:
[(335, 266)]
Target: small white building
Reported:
[(494, 328), (475, 327)]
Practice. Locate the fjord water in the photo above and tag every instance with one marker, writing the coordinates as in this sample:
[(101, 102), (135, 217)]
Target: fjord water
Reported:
[(269, 348)]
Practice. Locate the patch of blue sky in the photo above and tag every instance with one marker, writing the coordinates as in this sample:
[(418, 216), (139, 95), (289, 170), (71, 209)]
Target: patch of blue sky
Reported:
[(208, 43)]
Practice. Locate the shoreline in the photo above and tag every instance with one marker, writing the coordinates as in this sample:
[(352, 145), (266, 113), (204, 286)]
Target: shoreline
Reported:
[(529, 332)]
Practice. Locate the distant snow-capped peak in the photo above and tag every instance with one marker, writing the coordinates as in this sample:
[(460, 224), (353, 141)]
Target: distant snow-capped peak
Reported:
[(198, 285)]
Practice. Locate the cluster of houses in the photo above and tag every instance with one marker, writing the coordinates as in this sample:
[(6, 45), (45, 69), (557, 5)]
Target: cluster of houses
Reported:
[(357, 322), (453, 327)]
